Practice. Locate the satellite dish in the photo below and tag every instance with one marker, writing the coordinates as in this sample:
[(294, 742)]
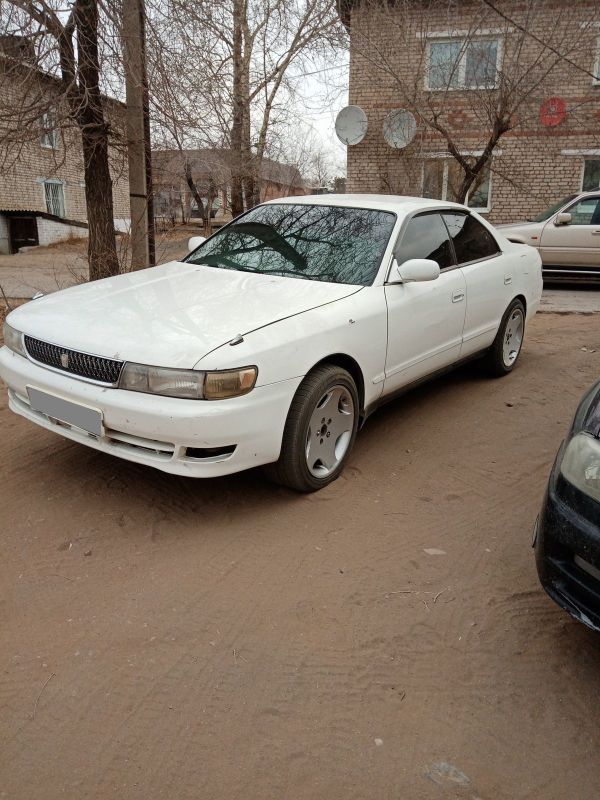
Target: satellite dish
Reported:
[(399, 128), (351, 125)]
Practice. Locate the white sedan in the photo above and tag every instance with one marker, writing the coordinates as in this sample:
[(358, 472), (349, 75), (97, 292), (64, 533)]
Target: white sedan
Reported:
[(275, 338)]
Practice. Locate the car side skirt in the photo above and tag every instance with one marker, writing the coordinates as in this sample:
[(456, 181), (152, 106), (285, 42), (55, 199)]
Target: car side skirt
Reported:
[(391, 396)]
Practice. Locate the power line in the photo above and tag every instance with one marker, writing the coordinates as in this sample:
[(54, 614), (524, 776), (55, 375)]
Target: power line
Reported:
[(537, 39), (317, 71)]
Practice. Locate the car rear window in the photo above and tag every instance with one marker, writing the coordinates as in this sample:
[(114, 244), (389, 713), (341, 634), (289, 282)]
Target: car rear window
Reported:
[(472, 241)]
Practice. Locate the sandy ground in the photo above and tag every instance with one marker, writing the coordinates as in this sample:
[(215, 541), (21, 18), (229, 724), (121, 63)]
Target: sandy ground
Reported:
[(568, 299), (47, 269), (385, 638)]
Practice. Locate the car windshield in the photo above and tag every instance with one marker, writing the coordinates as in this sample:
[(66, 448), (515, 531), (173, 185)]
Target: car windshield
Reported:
[(553, 209), (314, 242)]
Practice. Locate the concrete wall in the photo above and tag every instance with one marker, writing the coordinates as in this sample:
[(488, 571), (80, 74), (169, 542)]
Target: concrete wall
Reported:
[(51, 232), (535, 165)]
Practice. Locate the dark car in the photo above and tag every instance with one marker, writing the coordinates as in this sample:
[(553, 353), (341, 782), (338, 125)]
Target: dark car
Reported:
[(567, 532)]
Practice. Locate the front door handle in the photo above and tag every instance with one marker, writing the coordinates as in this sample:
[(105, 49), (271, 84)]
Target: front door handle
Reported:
[(458, 296), (595, 233), (507, 280)]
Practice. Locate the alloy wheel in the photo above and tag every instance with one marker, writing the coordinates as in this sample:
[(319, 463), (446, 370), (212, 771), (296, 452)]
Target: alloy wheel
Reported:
[(330, 431)]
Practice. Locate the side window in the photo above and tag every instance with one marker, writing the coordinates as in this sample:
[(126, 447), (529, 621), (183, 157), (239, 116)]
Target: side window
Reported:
[(471, 240), (425, 236), (585, 212)]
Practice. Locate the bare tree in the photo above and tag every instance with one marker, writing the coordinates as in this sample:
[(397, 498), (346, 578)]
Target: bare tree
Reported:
[(249, 49), (65, 56)]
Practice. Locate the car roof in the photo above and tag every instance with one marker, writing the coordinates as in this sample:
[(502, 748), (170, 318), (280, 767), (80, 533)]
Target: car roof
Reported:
[(401, 204)]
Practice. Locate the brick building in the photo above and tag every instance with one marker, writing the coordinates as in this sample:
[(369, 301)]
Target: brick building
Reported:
[(211, 172), (455, 66), (42, 190)]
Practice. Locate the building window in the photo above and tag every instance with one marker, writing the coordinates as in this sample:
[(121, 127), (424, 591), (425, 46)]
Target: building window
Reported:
[(442, 178), (55, 198), (596, 79), (591, 175), (49, 136), (457, 63)]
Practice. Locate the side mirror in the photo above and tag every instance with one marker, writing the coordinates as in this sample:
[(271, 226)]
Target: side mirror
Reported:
[(195, 242), (563, 219), (416, 270)]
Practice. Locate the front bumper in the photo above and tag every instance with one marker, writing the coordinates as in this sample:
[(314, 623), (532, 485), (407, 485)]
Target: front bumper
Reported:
[(157, 431), (567, 537)]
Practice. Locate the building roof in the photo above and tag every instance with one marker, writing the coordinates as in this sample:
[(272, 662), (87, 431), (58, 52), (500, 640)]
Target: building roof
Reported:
[(216, 163), (9, 65)]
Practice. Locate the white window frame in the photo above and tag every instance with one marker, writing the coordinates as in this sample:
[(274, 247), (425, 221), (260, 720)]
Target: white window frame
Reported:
[(54, 182), (592, 154), (447, 158), (585, 160), (49, 134), (464, 38), (596, 70)]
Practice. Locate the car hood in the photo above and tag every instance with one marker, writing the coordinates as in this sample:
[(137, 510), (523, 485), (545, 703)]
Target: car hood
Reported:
[(506, 225), (527, 232), (171, 315), (529, 227)]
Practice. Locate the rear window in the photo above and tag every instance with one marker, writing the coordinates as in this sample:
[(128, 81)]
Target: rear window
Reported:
[(472, 241)]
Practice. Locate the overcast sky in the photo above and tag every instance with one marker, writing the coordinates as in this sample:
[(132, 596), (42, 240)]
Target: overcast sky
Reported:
[(320, 97)]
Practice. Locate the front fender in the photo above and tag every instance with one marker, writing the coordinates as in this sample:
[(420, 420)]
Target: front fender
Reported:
[(355, 326)]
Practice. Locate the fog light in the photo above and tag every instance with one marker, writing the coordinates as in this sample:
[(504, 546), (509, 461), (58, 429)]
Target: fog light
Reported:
[(200, 453)]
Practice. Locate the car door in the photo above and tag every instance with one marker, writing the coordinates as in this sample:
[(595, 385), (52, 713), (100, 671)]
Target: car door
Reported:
[(489, 278), (575, 244), (425, 320)]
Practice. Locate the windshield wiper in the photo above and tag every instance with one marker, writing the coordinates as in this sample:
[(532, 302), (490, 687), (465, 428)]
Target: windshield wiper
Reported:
[(223, 263)]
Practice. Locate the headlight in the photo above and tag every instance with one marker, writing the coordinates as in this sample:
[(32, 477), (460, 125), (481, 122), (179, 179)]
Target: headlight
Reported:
[(187, 383), (14, 340), (581, 464), (229, 383)]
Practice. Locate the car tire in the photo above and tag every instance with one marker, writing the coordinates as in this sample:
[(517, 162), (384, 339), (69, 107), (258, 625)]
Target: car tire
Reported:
[(504, 353), (319, 432)]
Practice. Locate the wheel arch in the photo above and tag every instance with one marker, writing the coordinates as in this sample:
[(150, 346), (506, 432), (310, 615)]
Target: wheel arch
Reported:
[(523, 299), (352, 366)]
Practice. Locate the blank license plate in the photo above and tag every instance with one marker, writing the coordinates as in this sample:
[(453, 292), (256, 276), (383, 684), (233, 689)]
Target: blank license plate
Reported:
[(88, 419)]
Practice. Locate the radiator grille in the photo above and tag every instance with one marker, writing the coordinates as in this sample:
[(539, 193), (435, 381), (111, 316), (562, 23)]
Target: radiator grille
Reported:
[(95, 368)]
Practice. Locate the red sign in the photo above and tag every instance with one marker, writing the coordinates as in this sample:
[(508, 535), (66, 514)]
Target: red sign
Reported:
[(553, 111)]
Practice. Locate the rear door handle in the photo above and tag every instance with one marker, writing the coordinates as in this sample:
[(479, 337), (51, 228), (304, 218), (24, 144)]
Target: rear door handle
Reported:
[(507, 280), (595, 233), (458, 296)]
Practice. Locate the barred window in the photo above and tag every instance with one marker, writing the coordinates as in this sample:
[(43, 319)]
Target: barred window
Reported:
[(55, 198)]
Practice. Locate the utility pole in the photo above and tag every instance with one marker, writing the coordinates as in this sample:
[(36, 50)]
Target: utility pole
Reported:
[(237, 127), (138, 136)]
